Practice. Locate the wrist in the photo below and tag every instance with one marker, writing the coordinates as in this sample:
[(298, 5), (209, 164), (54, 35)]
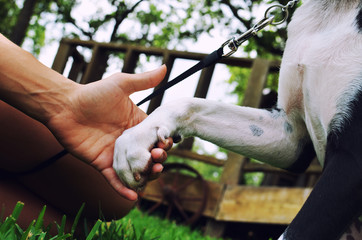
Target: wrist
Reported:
[(30, 86), (54, 100)]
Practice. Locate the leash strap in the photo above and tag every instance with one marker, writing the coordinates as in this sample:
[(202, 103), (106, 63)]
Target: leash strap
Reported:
[(209, 60), (44, 164)]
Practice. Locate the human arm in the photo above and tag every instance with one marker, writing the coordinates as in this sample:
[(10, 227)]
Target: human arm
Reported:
[(86, 119)]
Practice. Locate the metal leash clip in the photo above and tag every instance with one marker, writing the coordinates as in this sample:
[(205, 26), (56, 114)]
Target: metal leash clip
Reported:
[(233, 44)]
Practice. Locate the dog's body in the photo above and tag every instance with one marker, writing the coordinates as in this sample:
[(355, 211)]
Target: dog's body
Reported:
[(319, 112)]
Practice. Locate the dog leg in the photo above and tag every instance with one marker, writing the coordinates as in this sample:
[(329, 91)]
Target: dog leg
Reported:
[(269, 136), (336, 200)]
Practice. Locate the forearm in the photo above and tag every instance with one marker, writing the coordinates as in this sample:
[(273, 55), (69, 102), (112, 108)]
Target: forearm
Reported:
[(28, 85)]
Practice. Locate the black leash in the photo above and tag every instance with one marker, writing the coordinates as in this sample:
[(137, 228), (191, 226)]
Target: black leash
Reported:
[(209, 60)]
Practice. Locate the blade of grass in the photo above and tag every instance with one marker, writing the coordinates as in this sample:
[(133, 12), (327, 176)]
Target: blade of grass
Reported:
[(94, 230), (62, 226), (17, 210), (26, 233), (10, 221), (76, 220), (85, 226), (40, 220), (2, 214)]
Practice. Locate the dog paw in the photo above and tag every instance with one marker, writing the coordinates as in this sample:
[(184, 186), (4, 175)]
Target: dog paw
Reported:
[(132, 157)]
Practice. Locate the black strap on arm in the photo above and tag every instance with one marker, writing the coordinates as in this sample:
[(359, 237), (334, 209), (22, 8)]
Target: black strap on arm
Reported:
[(210, 59), (44, 164)]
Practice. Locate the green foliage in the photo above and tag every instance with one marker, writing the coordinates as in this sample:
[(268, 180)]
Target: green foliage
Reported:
[(154, 22), (9, 11), (36, 33), (141, 226), (135, 226), (239, 78), (10, 230)]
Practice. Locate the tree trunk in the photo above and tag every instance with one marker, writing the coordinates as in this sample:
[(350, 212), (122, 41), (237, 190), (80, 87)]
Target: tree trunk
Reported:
[(19, 31)]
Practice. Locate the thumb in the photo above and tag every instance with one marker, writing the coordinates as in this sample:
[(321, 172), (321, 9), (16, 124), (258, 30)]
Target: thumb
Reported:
[(142, 81)]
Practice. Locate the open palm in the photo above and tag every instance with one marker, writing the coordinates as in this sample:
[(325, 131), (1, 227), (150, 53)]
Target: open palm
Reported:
[(96, 116)]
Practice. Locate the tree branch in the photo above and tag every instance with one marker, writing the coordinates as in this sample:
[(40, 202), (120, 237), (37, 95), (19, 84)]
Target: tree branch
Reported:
[(120, 18), (234, 10), (69, 19)]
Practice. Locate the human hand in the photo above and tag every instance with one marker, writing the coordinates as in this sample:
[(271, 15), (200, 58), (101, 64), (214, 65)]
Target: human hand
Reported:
[(97, 113)]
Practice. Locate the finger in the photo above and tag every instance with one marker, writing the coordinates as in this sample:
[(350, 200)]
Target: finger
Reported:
[(157, 168), (113, 179), (156, 171), (158, 155), (167, 145), (142, 81)]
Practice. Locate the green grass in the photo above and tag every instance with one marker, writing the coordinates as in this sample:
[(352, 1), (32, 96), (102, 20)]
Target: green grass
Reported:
[(151, 227), (135, 226)]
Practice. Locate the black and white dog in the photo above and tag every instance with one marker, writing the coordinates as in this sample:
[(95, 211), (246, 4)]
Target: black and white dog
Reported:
[(319, 111)]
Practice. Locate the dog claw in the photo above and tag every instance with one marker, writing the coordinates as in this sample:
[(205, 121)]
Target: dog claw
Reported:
[(137, 176)]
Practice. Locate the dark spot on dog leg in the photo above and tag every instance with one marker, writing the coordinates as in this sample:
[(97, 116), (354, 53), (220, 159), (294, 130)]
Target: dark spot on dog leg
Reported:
[(256, 131), (288, 128), (359, 21), (275, 113)]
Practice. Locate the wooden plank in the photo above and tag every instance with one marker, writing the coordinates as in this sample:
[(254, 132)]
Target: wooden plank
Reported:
[(130, 61), (214, 228), (257, 167), (78, 67), (232, 169), (232, 61), (256, 83), (247, 167), (61, 58), (169, 60), (97, 65), (271, 205), (198, 157), (204, 82)]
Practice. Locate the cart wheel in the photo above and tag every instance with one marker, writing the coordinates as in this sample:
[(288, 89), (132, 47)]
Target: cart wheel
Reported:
[(173, 191)]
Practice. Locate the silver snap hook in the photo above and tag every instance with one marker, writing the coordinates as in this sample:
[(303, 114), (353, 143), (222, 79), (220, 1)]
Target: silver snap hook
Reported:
[(284, 9)]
